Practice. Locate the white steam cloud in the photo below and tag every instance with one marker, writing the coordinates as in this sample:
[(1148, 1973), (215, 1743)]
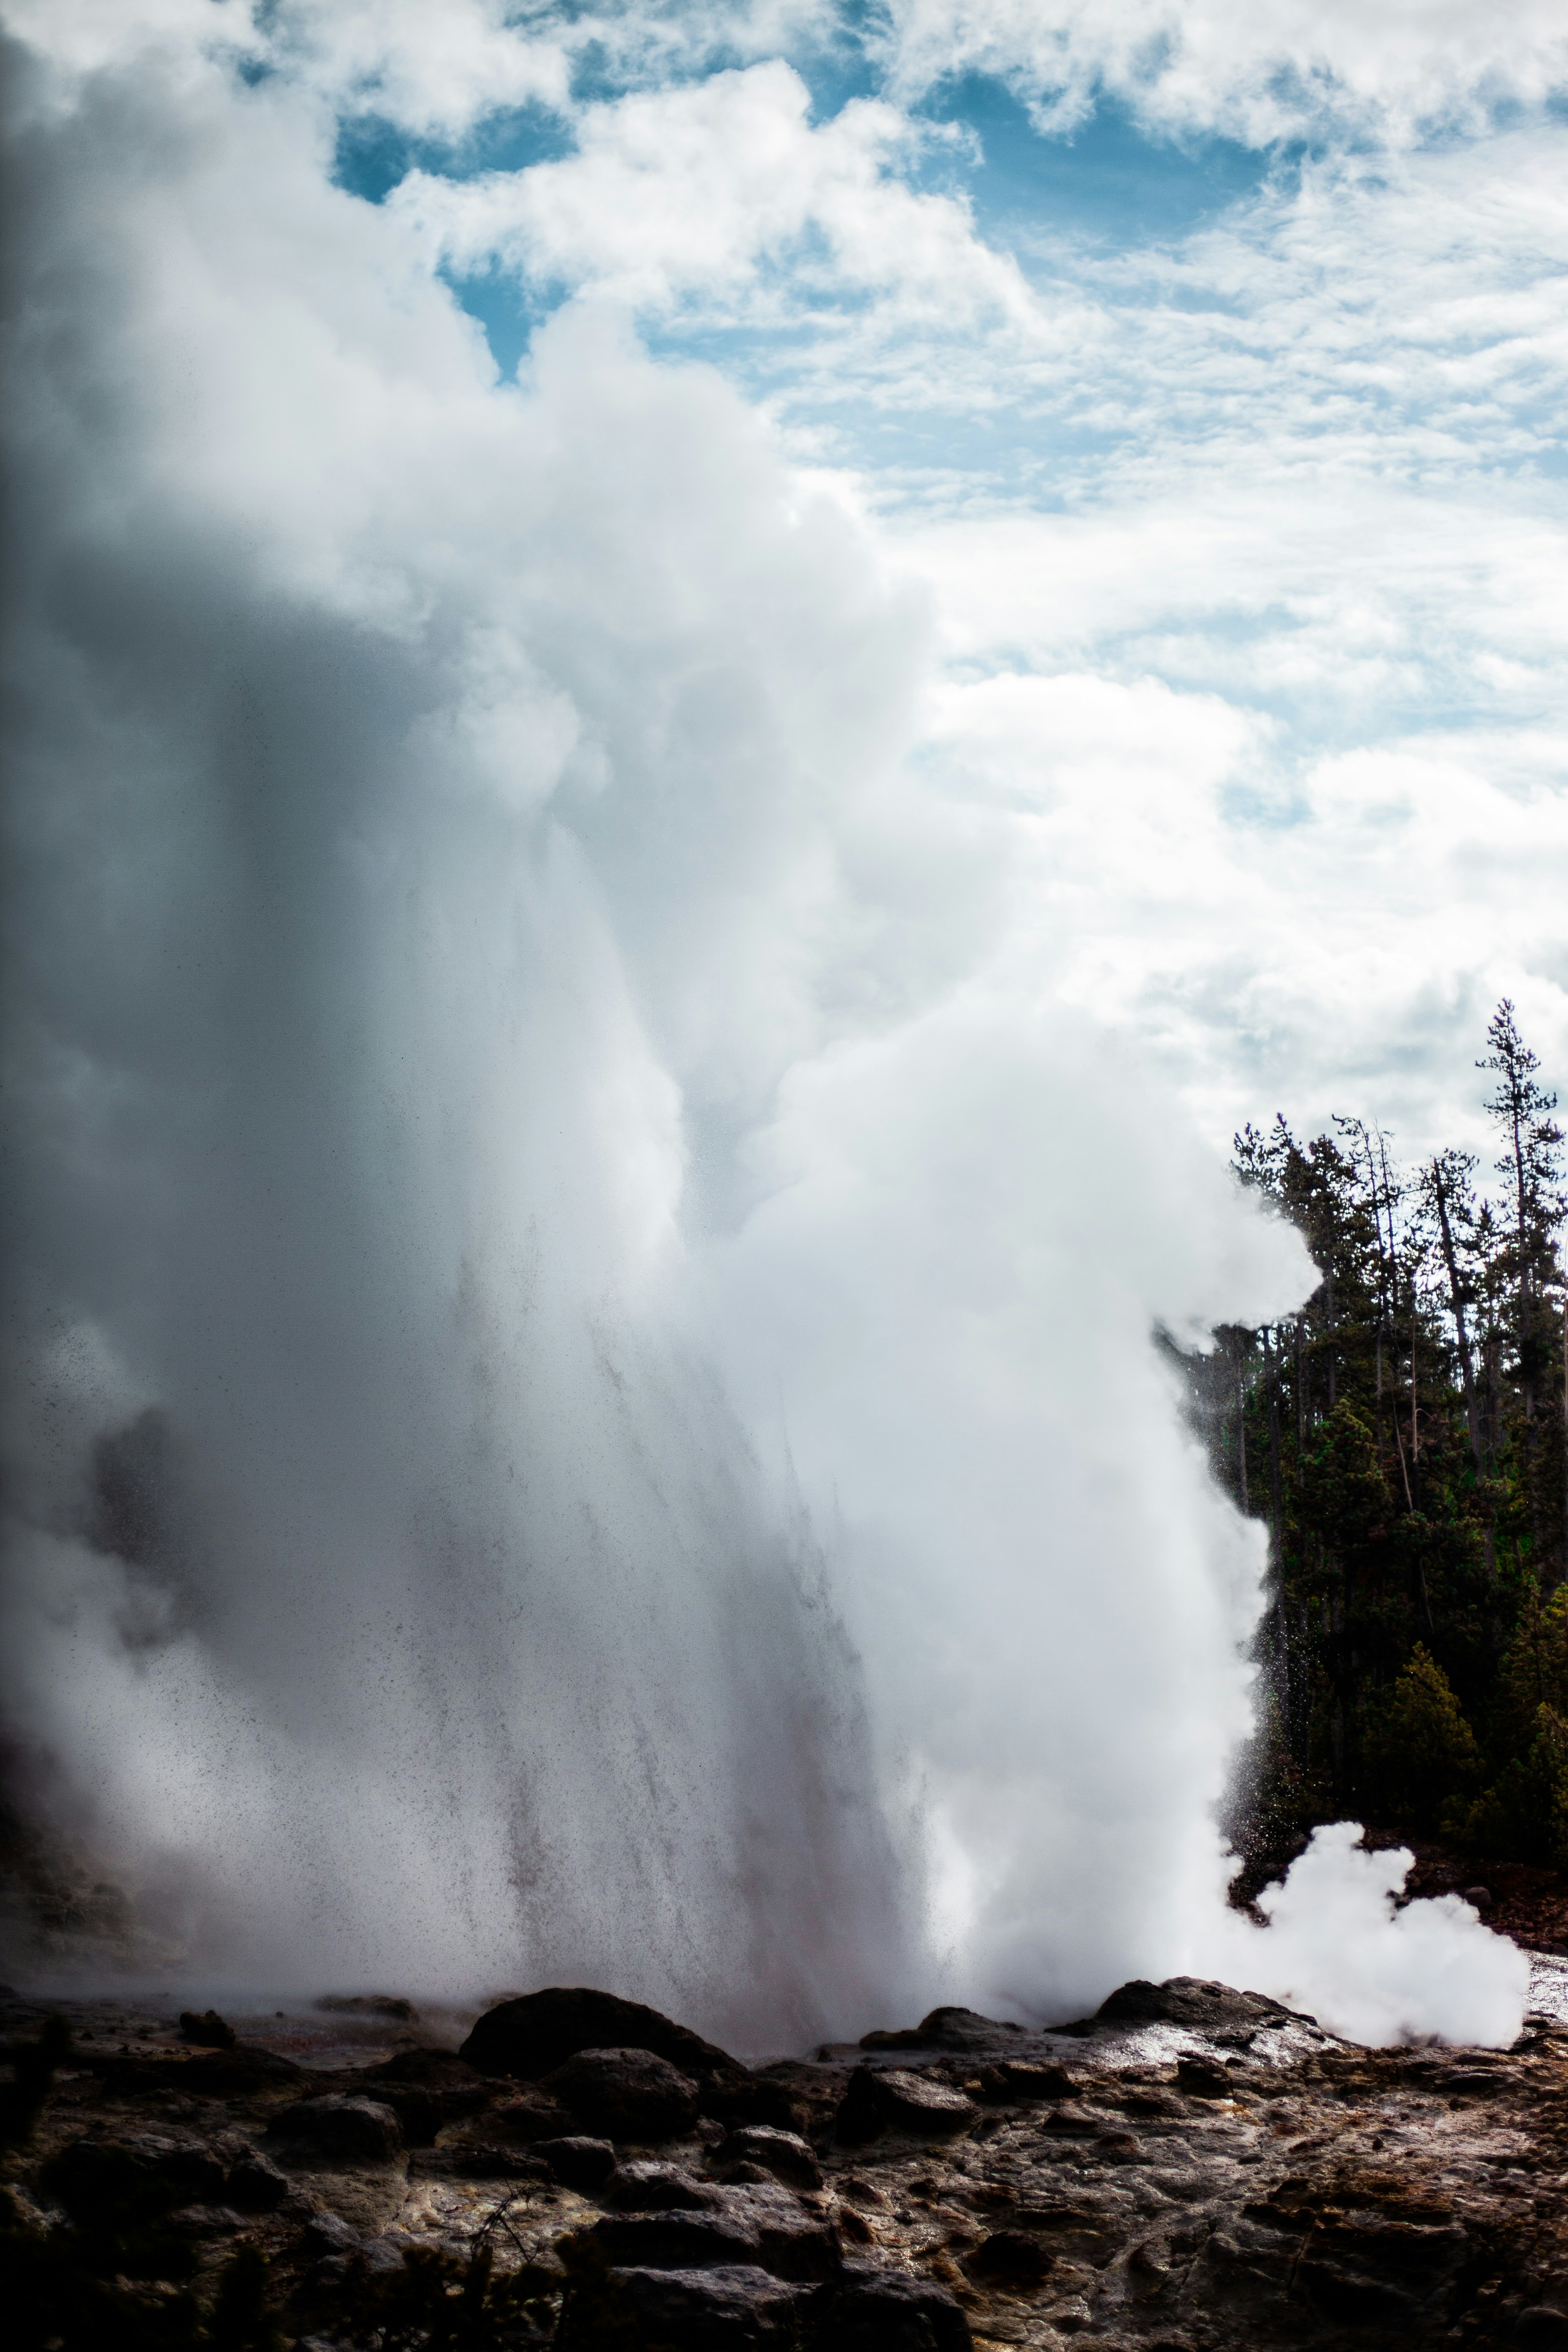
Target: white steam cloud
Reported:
[(580, 1396)]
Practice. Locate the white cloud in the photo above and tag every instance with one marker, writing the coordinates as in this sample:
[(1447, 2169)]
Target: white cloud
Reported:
[(697, 191), (1275, 68)]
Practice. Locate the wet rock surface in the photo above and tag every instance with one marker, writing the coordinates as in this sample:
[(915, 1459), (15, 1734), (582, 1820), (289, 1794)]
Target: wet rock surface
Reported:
[(1194, 2168)]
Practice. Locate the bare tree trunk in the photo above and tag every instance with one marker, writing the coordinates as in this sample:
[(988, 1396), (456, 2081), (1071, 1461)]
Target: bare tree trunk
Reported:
[(1472, 1411), (1472, 1416), (1276, 1536)]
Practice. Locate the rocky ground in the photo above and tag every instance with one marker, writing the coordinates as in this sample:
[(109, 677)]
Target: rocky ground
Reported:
[(1193, 2168)]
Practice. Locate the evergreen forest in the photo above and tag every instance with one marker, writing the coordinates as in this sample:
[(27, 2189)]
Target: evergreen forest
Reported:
[(1404, 1437)]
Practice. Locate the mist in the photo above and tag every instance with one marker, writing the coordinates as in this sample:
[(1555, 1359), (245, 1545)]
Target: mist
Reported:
[(581, 1403)]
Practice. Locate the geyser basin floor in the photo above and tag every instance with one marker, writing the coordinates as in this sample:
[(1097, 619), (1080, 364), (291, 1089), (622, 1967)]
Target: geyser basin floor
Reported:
[(1220, 2174)]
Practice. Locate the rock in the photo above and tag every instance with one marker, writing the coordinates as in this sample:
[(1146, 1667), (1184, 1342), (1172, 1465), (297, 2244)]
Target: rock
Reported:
[(674, 2241), (456, 2088), (776, 2237), (1015, 2082), (419, 2112), (944, 2029), (1010, 2258), (234, 2073), (357, 2131), (796, 2095), (898, 2101), (965, 2030), (205, 2222), (531, 2119), (1075, 2232), (1542, 2328), (647, 2187), (731, 2308), (107, 2183), (207, 2030), (329, 2234), (781, 2153), (629, 2094), (1073, 2120), (1205, 2078), (1192, 2002), (534, 2036), (888, 2311), (256, 2185), (793, 2243), (577, 2163), (1153, 2102)]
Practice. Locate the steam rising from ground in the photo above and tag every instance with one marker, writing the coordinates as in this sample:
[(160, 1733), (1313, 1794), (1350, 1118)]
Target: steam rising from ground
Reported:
[(581, 1402)]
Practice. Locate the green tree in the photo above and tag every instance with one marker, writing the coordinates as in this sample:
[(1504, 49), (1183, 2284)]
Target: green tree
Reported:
[(1422, 1752)]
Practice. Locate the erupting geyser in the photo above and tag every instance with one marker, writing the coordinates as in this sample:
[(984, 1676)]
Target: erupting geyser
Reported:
[(580, 1402)]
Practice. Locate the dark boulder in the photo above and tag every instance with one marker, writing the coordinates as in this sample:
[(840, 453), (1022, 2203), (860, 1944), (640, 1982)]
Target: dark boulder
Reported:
[(898, 2100), (356, 2131), (577, 2162), (889, 2311), (783, 2154), (532, 2037), (627, 2093), (256, 2185), (1541, 2328), (945, 2029), (1192, 2002), (733, 2308), (208, 2030)]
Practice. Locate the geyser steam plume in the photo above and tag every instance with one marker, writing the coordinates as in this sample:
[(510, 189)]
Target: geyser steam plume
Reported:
[(579, 1398)]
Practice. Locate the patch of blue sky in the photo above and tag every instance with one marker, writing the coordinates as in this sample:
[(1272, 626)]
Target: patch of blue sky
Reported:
[(509, 308), (372, 155), (1107, 183)]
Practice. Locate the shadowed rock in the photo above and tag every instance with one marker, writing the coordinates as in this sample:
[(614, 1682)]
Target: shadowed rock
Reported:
[(1192, 2002), (208, 2030), (532, 2036), (578, 2162), (627, 2093), (783, 2154), (732, 2308), (358, 2131), (888, 2311), (256, 2185), (898, 2101)]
